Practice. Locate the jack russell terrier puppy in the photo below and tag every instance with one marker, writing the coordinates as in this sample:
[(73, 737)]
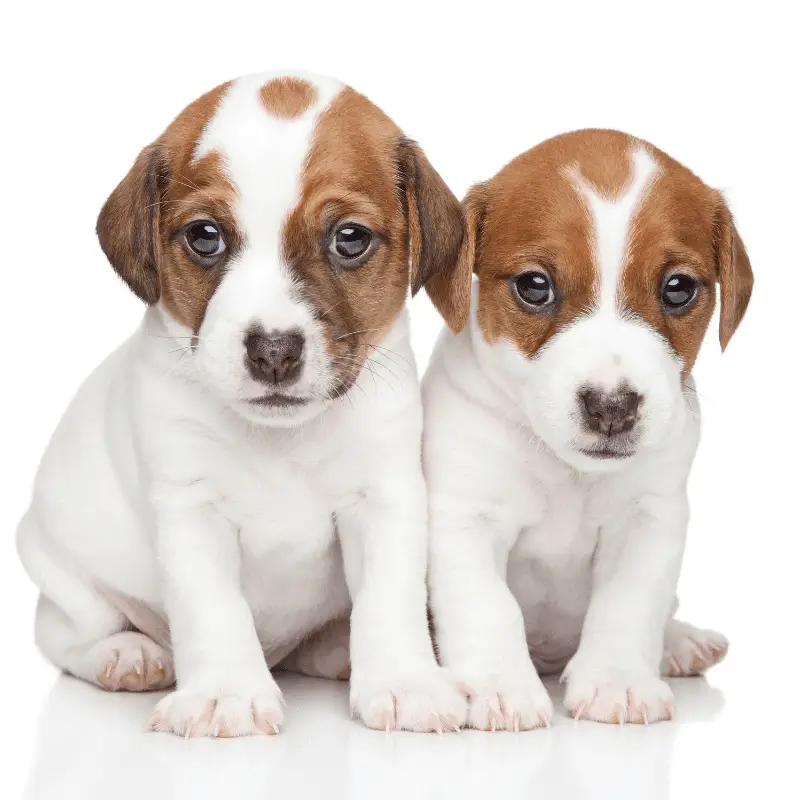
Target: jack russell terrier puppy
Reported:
[(561, 424), (217, 496)]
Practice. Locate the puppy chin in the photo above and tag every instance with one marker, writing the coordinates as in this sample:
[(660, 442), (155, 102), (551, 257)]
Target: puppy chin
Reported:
[(280, 416), (599, 463)]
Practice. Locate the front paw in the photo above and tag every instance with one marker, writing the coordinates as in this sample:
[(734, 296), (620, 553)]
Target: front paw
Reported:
[(192, 714), (425, 701), (515, 701), (617, 695)]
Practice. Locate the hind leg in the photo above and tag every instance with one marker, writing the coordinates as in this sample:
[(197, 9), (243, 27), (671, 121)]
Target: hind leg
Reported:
[(691, 651), (108, 656), (325, 655), (81, 632)]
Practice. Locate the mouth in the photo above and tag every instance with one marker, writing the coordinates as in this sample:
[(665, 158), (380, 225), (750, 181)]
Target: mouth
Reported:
[(278, 401), (605, 452)]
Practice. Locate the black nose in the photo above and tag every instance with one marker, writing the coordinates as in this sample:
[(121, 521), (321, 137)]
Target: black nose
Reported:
[(274, 357), (610, 413)]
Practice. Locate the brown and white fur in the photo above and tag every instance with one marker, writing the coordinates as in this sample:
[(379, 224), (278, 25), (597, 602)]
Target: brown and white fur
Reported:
[(243, 474), (561, 425)]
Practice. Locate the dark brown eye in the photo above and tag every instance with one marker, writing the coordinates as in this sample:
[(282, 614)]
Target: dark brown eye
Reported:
[(203, 239), (678, 292), (351, 244), (534, 289)]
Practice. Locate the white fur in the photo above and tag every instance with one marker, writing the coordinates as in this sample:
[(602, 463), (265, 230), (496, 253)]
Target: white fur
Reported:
[(542, 556), (263, 157), (165, 496), (611, 223)]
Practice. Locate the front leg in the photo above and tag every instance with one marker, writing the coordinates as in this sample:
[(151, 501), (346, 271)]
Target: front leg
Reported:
[(480, 631), (395, 680), (224, 687), (615, 675)]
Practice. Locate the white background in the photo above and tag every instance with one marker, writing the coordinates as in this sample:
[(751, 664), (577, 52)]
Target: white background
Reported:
[(85, 87)]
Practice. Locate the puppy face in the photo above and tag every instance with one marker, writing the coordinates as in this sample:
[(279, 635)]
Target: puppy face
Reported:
[(278, 223), (597, 257)]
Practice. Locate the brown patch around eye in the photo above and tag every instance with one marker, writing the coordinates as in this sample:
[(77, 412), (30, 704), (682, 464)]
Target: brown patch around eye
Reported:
[(193, 190), (502, 315), (350, 175), (533, 217), (288, 98), (138, 223), (672, 233)]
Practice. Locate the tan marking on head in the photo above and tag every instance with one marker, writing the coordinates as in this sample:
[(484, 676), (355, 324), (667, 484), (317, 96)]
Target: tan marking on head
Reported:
[(164, 191), (361, 169), (672, 232), (287, 97), (531, 215), (604, 161), (683, 226)]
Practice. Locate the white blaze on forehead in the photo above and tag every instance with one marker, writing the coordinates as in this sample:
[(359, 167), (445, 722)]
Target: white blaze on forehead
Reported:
[(611, 219), (263, 157)]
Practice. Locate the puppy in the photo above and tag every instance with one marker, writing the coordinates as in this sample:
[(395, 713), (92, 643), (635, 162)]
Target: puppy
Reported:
[(246, 467), (561, 425)]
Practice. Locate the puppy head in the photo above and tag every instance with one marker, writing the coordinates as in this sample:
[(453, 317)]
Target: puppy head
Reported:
[(597, 258), (278, 223)]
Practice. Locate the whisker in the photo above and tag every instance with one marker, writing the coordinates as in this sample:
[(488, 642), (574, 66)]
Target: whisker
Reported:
[(393, 352), (348, 360), (386, 367), (694, 391), (169, 203), (189, 184), (328, 310), (353, 333), (371, 366), (386, 354), (338, 393), (356, 383), (377, 374), (371, 372), (349, 363)]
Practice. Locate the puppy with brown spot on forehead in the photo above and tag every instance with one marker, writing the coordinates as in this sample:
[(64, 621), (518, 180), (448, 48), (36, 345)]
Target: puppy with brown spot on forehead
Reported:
[(561, 425), (243, 474)]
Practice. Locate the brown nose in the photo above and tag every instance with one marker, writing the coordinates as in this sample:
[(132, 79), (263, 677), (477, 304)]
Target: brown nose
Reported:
[(274, 357), (612, 413)]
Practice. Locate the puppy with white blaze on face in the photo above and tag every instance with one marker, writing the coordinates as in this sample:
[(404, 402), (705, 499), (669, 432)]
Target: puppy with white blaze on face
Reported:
[(561, 424), (242, 476)]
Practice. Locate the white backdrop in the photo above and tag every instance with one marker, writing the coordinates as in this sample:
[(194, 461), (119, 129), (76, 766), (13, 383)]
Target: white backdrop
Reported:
[(86, 86)]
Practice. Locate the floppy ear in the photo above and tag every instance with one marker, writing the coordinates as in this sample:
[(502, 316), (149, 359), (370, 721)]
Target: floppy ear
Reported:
[(436, 233), (733, 272), (128, 224)]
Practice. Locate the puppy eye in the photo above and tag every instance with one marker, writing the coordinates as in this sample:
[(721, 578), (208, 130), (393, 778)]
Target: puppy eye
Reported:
[(678, 292), (351, 244), (204, 240), (534, 289)]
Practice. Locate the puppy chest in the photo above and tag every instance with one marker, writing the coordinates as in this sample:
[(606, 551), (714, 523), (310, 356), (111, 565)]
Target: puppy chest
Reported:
[(287, 519), (562, 534), (291, 572), (549, 572)]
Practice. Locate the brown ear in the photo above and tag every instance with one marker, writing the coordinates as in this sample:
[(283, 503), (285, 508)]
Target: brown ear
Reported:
[(436, 233), (473, 205), (128, 224), (733, 272)]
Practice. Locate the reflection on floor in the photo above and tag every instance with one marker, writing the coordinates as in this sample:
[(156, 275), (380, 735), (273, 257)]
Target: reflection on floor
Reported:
[(92, 744)]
